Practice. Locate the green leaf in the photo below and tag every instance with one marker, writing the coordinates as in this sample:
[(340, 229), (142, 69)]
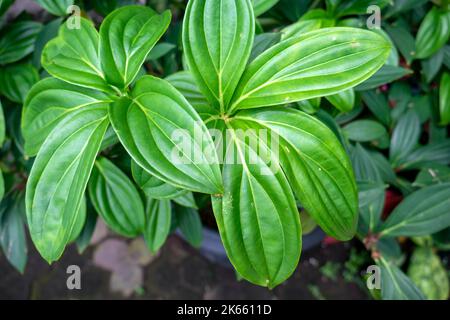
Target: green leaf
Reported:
[(186, 200), (17, 41), (217, 41), (164, 135), (59, 177), (427, 272), (432, 65), (385, 75), (87, 232), (378, 105), (444, 98), (261, 6), (364, 130), (48, 32), (160, 50), (56, 7), (301, 27), (352, 7), (257, 215), (185, 83), (423, 212), (316, 165), (438, 152), (371, 202), (4, 5), (126, 37), (343, 101), (400, 6), (403, 40), (310, 106), (433, 33), (190, 225), (263, 42), (152, 186), (405, 137), (158, 215), (432, 174), (12, 232), (319, 63), (73, 56), (116, 199), (79, 222), (395, 285), (48, 103), (364, 166), (17, 80)]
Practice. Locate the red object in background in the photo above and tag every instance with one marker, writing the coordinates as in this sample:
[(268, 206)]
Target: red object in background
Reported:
[(328, 241), (391, 200)]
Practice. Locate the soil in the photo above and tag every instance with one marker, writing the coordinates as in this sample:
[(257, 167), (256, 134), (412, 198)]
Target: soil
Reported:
[(170, 276)]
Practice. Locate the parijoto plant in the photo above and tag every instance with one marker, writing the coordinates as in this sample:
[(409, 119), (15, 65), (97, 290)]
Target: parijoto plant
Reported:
[(96, 98)]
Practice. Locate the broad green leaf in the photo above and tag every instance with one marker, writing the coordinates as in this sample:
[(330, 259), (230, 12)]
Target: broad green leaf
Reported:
[(261, 6), (403, 40), (385, 75), (364, 130), (343, 101), (17, 80), (316, 166), (79, 222), (444, 98), (310, 106), (152, 186), (158, 215), (383, 166), (87, 232), (257, 215), (371, 201), (126, 37), (319, 15), (4, 5), (319, 63), (185, 83), (364, 166), (433, 153), (105, 7), (116, 199), (12, 232), (48, 103), (190, 225), (164, 135), (423, 212), (427, 272), (263, 42), (73, 56), (433, 33), (432, 174), (160, 50), (56, 7), (186, 200), (405, 137), (400, 6), (217, 41), (59, 177), (378, 105), (352, 7), (432, 65), (447, 56), (48, 32), (395, 285), (17, 41), (300, 27)]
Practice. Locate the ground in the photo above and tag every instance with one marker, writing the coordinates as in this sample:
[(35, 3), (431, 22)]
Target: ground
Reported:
[(177, 272)]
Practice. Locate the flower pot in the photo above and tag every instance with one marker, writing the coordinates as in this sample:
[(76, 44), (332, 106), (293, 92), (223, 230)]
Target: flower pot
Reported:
[(212, 248)]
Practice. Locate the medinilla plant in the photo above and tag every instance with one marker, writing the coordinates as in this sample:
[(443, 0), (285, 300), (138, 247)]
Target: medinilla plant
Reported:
[(95, 98)]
